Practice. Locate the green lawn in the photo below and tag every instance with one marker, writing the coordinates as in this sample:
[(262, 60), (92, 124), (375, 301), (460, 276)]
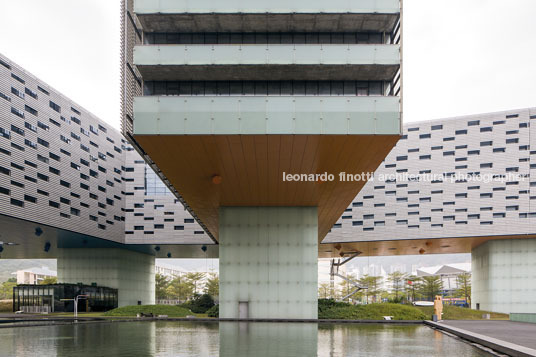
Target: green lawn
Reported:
[(461, 313), (328, 309), (170, 310)]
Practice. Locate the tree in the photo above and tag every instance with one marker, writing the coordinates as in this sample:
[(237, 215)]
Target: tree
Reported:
[(397, 280), (161, 283), (180, 289), (12, 280), (6, 290), (323, 290), (195, 278), (49, 281), (431, 286), (212, 286), (413, 286), (463, 281), (372, 284)]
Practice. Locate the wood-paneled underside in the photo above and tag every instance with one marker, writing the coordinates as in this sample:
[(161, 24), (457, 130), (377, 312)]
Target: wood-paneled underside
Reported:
[(411, 246), (252, 166)]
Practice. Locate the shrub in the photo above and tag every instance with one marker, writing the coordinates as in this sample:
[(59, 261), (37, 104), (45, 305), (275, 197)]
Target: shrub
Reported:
[(200, 303), (214, 311)]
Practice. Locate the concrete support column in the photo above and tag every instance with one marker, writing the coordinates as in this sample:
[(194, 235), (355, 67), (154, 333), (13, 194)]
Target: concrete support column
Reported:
[(132, 273), (504, 276), (268, 262)]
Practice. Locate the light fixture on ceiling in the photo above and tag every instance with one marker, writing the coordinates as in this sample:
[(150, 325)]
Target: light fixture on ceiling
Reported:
[(216, 179)]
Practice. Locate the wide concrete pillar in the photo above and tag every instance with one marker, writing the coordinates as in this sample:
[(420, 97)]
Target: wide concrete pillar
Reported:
[(504, 276), (132, 273), (268, 262)]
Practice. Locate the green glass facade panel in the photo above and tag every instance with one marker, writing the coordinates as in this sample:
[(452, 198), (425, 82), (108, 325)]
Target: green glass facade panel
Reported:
[(261, 6), (224, 115), (275, 54), (266, 115), (252, 119)]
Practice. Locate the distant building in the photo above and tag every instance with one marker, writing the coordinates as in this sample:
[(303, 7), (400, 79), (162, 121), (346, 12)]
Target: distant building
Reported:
[(34, 276), (448, 274), (60, 298), (167, 271)]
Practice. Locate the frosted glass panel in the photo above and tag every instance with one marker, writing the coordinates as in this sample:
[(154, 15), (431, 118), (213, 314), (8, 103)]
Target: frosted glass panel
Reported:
[(504, 276), (268, 257)]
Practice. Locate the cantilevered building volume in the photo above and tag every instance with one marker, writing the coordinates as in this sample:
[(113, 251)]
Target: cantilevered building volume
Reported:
[(222, 98)]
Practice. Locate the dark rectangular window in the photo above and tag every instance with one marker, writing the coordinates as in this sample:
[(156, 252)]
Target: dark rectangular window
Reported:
[(16, 202), (43, 142), (5, 171), (54, 106), (30, 198), (42, 177), (14, 76), (42, 90), (43, 126), (5, 64), (54, 170), (5, 191), (30, 92), (30, 143), (3, 96), (17, 130), (17, 92), (17, 112)]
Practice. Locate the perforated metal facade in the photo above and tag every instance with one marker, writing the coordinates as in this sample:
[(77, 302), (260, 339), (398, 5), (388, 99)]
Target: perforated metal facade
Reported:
[(61, 166), (500, 146)]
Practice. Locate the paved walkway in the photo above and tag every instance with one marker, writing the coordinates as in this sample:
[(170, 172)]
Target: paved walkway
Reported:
[(520, 333), (512, 338)]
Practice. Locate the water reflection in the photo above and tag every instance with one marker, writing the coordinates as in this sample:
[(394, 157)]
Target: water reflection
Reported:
[(389, 340), (268, 339), (169, 338)]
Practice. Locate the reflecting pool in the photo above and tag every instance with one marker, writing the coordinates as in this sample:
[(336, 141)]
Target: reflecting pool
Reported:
[(174, 338)]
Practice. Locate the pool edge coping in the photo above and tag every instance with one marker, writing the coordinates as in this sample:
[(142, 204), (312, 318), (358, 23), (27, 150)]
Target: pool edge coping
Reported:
[(502, 346)]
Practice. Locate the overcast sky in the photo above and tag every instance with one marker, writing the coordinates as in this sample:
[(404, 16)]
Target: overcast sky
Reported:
[(460, 56)]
